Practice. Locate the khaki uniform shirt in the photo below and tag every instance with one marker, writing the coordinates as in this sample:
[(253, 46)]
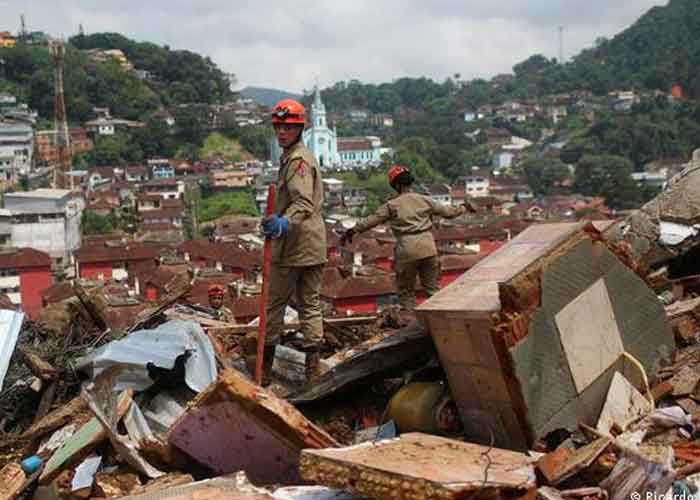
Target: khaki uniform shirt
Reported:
[(300, 199), (225, 314), (410, 217)]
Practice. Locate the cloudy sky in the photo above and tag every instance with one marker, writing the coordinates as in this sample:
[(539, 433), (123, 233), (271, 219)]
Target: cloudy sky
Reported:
[(293, 44)]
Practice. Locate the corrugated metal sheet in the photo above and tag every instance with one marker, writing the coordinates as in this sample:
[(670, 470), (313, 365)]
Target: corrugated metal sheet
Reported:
[(161, 347), (10, 326)]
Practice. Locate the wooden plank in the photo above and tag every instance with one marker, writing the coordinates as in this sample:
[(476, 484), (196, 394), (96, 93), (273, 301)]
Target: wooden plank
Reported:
[(269, 432), (81, 444), (38, 366), (12, 478), (56, 419), (557, 466), (418, 466)]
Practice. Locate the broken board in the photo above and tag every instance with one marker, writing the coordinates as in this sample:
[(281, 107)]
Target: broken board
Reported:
[(236, 425), (418, 466)]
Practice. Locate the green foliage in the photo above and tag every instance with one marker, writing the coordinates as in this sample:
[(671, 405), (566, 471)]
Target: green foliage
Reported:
[(610, 177), (114, 150), (98, 224), (189, 77), (229, 203), (217, 145), (256, 140), (544, 175)]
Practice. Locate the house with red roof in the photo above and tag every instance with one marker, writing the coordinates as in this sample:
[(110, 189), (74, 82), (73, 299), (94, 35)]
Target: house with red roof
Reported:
[(24, 274), (354, 294), (228, 257), (112, 262)]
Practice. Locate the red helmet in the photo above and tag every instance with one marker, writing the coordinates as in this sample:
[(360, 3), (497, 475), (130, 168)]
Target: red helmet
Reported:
[(396, 171), (289, 111), (216, 291)]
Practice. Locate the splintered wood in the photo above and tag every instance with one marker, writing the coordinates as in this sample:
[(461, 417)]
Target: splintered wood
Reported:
[(418, 466), (236, 425)]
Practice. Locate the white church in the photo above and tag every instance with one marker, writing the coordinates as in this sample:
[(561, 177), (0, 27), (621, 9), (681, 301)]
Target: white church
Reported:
[(329, 150)]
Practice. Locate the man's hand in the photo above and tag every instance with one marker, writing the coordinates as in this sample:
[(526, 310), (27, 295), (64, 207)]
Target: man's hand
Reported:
[(347, 236), (469, 207), (275, 226)]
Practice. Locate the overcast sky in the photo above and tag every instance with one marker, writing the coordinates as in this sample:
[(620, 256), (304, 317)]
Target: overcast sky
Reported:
[(295, 43)]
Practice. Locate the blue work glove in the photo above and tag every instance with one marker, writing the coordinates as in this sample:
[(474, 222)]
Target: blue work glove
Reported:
[(275, 226)]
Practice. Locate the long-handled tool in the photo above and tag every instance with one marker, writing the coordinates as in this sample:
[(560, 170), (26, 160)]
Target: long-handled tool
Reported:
[(267, 262)]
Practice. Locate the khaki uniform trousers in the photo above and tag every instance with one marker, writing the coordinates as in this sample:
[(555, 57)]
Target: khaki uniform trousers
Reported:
[(427, 269), (303, 283)]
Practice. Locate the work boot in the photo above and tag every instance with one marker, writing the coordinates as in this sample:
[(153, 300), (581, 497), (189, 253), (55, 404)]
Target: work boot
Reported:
[(268, 360), (312, 349)]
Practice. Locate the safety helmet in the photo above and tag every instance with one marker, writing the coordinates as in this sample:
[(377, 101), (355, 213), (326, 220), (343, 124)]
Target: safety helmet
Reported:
[(399, 174), (216, 291), (289, 111)]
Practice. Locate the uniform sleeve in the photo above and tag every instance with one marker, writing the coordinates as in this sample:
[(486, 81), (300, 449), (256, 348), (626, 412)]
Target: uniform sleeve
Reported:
[(300, 186), (444, 210), (379, 217)]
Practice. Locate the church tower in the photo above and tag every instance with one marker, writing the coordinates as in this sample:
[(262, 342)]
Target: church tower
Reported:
[(320, 139), (318, 110)]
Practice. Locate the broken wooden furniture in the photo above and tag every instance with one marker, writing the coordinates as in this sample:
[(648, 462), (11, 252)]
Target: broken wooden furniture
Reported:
[(531, 336), (236, 425), (419, 466)]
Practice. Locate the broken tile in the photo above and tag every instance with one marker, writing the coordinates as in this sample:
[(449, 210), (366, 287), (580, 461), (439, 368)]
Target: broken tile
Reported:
[(418, 466), (623, 405), (269, 432), (559, 466)]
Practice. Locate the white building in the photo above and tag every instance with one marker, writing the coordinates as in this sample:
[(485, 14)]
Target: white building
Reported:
[(16, 146), (44, 219), (477, 183), (319, 138)]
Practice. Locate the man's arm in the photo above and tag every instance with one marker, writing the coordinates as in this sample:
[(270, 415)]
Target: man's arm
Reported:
[(300, 185), (446, 211), (379, 217)]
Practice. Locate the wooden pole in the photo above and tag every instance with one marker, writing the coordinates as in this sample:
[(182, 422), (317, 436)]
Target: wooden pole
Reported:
[(267, 262)]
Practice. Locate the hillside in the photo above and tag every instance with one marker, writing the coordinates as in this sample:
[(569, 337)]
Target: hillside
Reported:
[(177, 77), (266, 96), (658, 51)]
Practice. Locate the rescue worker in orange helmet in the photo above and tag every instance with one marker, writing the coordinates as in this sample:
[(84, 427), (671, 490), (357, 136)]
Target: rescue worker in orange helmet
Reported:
[(410, 216), (299, 236), (216, 302)]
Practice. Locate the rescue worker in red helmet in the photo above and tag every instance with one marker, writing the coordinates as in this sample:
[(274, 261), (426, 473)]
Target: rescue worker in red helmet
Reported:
[(299, 236), (216, 302), (410, 216)]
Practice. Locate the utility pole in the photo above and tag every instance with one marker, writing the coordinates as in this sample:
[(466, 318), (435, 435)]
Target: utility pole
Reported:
[(23, 29), (561, 44), (65, 157), (81, 30)]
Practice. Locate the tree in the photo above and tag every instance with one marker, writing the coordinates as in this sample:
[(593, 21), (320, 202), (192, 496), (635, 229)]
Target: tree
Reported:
[(545, 175), (610, 177), (93, 223)]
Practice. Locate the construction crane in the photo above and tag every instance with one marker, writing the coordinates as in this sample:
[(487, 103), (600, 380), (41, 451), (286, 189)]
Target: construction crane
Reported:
[(65, 157)]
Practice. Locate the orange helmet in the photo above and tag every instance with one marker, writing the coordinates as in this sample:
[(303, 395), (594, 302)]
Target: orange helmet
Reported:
[(289, 111), (398, 171), (216, 291)]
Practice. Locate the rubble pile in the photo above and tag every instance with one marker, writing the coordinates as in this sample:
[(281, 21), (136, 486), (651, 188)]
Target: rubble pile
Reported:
[(564, 365)]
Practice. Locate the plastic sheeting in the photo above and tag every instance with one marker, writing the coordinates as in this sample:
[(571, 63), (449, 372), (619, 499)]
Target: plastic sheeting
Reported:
[(10, 326), (160, 347)]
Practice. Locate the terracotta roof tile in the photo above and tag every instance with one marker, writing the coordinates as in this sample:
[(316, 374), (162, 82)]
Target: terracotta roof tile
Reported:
[(22, 258)]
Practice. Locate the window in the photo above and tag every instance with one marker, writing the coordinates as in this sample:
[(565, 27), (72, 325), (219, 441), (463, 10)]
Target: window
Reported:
[(6, 273)]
